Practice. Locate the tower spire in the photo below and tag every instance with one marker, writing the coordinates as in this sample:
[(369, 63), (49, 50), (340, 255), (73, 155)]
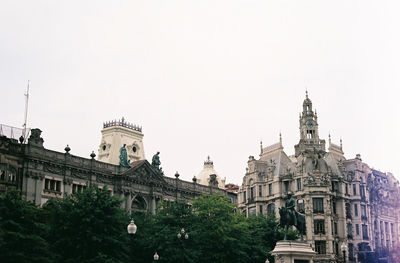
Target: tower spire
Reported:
[(26, 112)]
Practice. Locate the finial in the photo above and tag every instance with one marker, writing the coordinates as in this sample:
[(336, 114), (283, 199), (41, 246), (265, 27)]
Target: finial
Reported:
[(176, 174), (341, 144), (315, 111), (261, 147), (306, 93), (92, 155), (122, 119), (67, 149), (280, 137)]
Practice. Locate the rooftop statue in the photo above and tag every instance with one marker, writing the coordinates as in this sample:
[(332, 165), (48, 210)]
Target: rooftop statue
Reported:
[(290, 217), (123, 157), (155, 162)]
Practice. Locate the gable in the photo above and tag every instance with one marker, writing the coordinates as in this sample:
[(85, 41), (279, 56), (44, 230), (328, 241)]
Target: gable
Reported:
[(143, 172)]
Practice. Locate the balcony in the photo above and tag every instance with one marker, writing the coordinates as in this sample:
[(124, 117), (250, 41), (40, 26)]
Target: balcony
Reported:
[(250, 200)]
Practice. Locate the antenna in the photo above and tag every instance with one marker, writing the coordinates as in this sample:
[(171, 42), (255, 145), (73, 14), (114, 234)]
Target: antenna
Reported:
[(26, 112)]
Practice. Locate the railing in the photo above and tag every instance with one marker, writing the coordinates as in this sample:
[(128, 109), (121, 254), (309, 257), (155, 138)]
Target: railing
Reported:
[(250, 200), (14, 132), (122, 123)]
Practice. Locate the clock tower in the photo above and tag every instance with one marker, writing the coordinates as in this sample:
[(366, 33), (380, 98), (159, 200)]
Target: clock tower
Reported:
[(309, 137)]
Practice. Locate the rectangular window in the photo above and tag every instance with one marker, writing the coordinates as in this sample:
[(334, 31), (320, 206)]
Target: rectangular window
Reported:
[(320, 247), (52, 185), (78, 188), (318, 205), (363, 212), (349, 231), (261, 209), (351, 251), (335, 228), (269, 189), (298, 184), (334, 207), (362, 193), (346, 188), (365, 232), (319, 226), (355, 209), (244, 197), (252, 192), (286, 183), (357, 230), (260, 190), (354, 189)]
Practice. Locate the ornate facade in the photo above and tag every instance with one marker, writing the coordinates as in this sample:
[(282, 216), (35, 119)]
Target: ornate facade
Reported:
[(42, 174), (344, 200)]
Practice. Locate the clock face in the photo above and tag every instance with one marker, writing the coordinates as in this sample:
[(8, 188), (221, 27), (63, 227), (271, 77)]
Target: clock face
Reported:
[(310, 124)]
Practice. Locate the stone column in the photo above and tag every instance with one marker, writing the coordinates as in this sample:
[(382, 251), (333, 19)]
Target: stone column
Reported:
[(153, 205), (38, 189)]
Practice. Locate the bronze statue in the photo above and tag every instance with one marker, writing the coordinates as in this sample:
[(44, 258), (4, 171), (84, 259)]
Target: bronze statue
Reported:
[(155, 162), (290, 217), (123, 157)]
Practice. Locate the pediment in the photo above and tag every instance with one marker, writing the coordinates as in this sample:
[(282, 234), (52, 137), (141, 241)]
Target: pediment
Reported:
[(142, 171)]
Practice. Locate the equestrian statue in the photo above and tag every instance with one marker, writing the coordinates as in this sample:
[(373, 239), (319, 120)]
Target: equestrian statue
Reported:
[(290, 217)]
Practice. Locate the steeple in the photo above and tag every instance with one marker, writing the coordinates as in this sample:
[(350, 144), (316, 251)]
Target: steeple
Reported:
[(309, 137)]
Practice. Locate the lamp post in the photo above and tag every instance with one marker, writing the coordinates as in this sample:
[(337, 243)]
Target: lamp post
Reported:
[(343, 247), (181, 236), (156, 257), (131, 228)]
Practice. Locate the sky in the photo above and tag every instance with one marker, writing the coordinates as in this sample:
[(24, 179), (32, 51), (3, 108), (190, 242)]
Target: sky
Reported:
[(205, 77)]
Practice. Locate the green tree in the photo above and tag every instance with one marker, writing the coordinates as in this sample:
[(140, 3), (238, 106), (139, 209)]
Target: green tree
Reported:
[(88, 227), (217, 231), (22, 231)]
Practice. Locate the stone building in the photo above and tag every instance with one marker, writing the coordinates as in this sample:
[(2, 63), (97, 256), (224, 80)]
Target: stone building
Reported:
[(337, 195), (42, 174)]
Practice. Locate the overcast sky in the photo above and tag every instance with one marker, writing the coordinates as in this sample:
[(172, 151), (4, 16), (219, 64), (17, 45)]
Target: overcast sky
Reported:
[(205, 77)]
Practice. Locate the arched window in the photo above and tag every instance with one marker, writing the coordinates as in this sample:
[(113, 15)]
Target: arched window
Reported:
[(271, 209), (12, 174), (2, 172), (139, 203)]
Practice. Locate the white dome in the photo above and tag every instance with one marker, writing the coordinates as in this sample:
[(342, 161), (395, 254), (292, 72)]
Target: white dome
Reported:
[(204, 176)]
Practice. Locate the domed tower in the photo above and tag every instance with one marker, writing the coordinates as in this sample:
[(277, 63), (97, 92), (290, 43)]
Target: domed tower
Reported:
[(309, 137), (116, 134), (207, 175)]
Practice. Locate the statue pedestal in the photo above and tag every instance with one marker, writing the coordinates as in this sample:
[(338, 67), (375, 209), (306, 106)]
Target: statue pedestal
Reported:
[(289, 251)]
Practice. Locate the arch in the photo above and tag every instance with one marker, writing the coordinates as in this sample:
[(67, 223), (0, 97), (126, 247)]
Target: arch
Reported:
[(251, 181), (139, 203)]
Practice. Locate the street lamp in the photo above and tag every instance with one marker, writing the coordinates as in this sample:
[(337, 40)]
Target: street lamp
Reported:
[(156, 256), (182, 235), (343, 247), (131, 228)]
